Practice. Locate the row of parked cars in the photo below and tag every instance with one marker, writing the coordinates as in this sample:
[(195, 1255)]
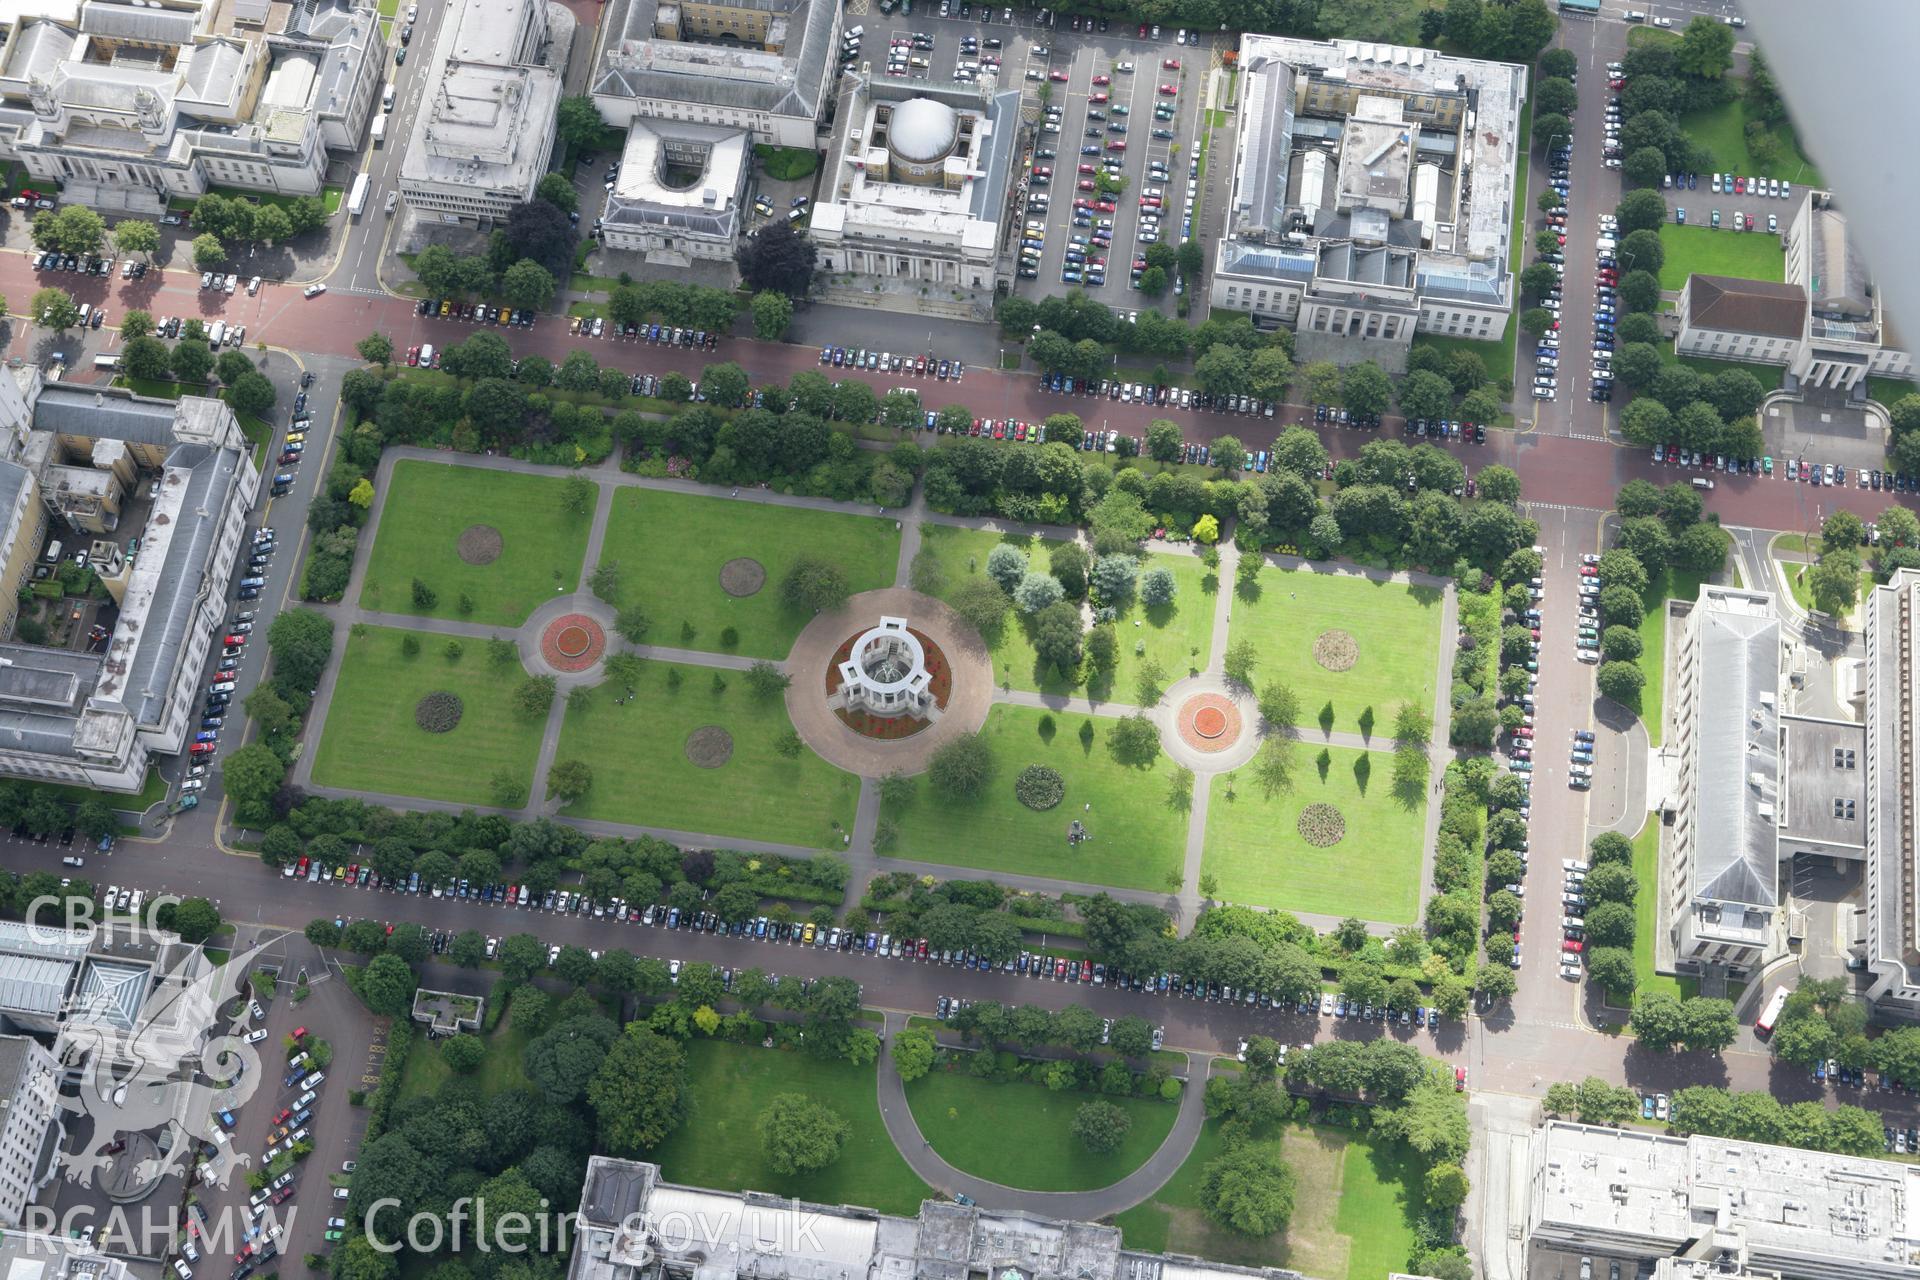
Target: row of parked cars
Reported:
[(88, 265), (477, 312), (891, 362)]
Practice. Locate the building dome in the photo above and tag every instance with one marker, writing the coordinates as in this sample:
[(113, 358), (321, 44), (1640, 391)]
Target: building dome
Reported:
[(922, 131)]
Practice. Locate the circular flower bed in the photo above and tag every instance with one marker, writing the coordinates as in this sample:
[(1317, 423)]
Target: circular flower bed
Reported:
[(743, 576), (438, 712), (572, 643), (709, 746), (1039, 787), (1336, 650), (1322, 825), (1208, 722), (480, 544)]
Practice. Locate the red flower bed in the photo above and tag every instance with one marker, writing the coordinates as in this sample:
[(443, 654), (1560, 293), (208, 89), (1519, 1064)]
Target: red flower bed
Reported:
[(572, 643)]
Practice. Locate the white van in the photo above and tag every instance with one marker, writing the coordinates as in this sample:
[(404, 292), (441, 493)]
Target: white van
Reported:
[(426, 355), (217, 334), (386, 99), (86, 313), (54, 549)]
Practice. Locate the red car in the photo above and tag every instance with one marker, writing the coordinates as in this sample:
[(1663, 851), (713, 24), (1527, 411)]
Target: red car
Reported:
[(286, 1113), (234, 639), (1574, 945), (1097, 97), (1143, 31), (1589, 571), (202, 748), (1059, 76), (353, 870), (1106, 206), (413, 355), (1116, 145), (1103, 79), (1168, 90), (1523, 732), (1060, 965), (1086, 184), (1088, 169), (921, 950), (1459, 1079), (1171, 64)]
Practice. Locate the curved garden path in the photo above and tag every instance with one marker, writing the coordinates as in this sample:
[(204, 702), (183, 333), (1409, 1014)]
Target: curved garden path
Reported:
[(1076, 1206)]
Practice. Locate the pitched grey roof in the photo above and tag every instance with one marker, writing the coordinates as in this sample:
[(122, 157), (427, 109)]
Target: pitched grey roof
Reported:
[(1733, 305), (990, 191), (40, 48), (127, 22), (13, 478), (1737, 778), (109, 412), (183, 575), (635, 64), (112, 991), (29, 984)]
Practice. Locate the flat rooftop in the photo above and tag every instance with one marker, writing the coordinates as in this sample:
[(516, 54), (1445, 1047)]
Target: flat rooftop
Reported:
[(1823, 786), (1784, 1202)]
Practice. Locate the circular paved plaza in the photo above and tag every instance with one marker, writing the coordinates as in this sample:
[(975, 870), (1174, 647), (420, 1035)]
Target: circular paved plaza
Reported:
[(967, 675)]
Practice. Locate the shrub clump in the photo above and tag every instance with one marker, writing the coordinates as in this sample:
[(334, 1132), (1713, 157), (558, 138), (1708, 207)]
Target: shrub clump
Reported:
[(438, 712), (1039, 787)]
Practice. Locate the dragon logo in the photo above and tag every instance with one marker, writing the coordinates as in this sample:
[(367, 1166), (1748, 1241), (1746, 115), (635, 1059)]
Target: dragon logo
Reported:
[(163, 1068)]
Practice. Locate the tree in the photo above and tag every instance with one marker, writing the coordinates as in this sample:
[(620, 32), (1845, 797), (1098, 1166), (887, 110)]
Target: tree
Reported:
[(1640, 210), (252, 774), (1101, 1126), (53, 309), (145, 357), (981, 604), (569, 780), (578, 125), (208, 252), (1249, 1189), (251, 394), (191, 361), (1835, 581), (1640, 291), (962, 768), (1621, 681), (375, 348), (1036, 591), (1113, 579), (639, 1092), (535, 230), (1645, 168), (1706, 49), (1424, 394), (1157, 587), (1364, 388), (134, 236), (1164, 439), (1446, 1186), (779, 258), (1555, 95), (528, 284), (193, 919), (912, 1053), (1239, 661), (800, 1135), (1134, 740), (814, 585), (725, 384), (1612, 968), (387, 986), (1153, 283), (772, 314)]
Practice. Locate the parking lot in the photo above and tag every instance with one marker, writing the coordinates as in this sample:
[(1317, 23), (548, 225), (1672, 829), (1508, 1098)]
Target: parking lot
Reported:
[(1076, 72)]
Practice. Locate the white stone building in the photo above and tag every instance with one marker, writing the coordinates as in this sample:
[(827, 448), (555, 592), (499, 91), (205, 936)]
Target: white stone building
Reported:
[(886, 675), (764, 67), (483, 135), (679, 194), (29, 1079), (128, 105), (1372, 197), (918, 182), (1891, 791), (91, 468), (1826, 322)]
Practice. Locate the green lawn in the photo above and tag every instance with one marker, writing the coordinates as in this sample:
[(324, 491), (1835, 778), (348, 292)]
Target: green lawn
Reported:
[(1397, 628), (372, 743), (1177, 636), (1497, 356), (430, 504), (1674, 584), (1795, 574), (1723, 131), (427, 1072), (1137, 837), (152, 791), (642, 774), (963, 1118), (1890, 391), (672, 547), (1646, 921), (1749, 255), (1254, 845), (1361, 1232), (718, 1144)]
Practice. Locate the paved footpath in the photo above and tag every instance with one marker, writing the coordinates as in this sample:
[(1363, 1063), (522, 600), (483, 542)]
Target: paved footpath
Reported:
[(1075, 1206)]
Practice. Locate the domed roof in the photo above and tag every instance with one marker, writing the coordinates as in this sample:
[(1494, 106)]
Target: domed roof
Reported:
[(922, 130)]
